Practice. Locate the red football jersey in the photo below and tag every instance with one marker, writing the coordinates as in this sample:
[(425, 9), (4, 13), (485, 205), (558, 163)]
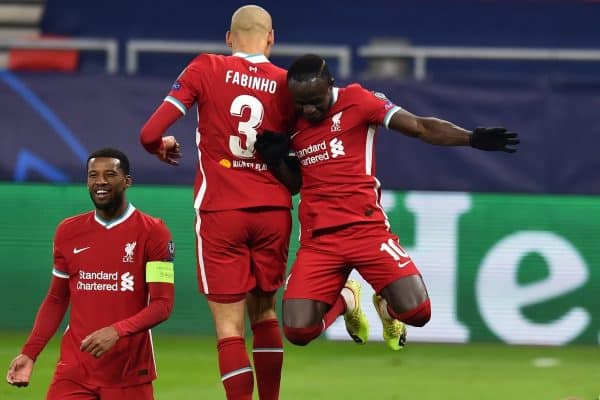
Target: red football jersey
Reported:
[(337, 158), (105, 264), (237, 97)]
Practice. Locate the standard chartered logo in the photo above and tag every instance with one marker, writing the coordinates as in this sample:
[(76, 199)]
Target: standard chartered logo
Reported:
[(126, 282), (498, 267), (101, 281), (316, 153)]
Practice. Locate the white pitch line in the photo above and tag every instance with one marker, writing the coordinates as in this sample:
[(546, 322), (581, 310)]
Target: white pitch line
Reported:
[(545, 362)]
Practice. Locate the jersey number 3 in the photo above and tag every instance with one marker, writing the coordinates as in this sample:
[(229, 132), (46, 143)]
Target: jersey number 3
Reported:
[(246, 129)]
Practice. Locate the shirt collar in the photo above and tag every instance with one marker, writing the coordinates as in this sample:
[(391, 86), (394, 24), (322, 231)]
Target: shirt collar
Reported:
[(111, 224), (334, 93), (253, 58)]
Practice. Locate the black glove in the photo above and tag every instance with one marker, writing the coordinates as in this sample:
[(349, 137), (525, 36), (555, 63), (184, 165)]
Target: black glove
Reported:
[(494, 139), (272, 146)]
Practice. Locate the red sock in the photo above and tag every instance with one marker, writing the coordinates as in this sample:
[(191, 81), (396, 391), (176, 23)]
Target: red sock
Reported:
[(418, 316), (268, 358), (234, 365), (302, 336), (337, 309)]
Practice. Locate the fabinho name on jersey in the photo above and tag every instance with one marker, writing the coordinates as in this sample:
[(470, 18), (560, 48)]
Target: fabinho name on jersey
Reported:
[(251, 82)]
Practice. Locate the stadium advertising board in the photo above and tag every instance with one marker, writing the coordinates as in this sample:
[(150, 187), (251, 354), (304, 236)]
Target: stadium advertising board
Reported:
[(520, 269)]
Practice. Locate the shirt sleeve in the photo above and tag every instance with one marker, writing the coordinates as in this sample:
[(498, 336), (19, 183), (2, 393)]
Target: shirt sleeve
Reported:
[(160, 255), (378, 109), (55, 304), (152, 131), (187, 87), (158, 309), (49, 316), (60, 267), (160, 278)]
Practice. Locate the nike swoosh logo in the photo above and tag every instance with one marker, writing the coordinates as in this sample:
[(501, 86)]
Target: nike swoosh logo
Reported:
[(77, 251), (404, 264)]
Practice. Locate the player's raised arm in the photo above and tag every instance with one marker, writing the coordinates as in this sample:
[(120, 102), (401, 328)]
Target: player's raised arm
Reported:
[(444, 133), (151, 136)]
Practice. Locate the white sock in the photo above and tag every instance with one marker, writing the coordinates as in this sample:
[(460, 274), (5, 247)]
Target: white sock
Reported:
[(383, 309), (348, 296)]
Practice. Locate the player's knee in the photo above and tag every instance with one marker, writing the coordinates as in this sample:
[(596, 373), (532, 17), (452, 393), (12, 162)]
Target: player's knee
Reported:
[(302, 336)]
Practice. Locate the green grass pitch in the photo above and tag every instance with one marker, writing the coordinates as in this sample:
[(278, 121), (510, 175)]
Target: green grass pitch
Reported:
[(342, 370)]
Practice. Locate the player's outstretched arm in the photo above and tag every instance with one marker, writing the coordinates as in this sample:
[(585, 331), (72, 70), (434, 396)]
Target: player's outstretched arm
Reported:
[(19, 371), (443, 133), (494, 139)]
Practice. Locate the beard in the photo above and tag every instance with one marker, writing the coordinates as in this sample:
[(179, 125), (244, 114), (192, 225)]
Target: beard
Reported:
[(109, 205)]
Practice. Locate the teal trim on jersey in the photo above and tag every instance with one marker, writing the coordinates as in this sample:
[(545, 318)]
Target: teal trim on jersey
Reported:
[(176, 103), (115, 222), (253, 58), (389, 114), (59, 273)]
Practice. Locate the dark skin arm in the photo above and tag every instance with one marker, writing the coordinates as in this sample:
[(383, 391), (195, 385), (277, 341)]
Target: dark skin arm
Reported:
[(274, 150), (430, 130), (273, 147), (443, 133), (287, 171)]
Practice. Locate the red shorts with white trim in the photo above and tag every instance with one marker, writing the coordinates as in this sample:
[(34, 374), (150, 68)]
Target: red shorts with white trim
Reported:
[(239, 250), (324, 262)]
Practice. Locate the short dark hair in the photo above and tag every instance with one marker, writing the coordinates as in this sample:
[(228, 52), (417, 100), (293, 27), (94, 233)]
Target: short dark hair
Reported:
[(307, 67), (111, 153)]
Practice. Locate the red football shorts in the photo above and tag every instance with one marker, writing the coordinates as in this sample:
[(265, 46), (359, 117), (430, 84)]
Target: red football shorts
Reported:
[(239, 250), (324, 262), (66, 389)]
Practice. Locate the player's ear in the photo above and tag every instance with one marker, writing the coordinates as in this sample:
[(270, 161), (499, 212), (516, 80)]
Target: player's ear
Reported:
[(271, 37), (270, 42), (228, 39), (128, 180)]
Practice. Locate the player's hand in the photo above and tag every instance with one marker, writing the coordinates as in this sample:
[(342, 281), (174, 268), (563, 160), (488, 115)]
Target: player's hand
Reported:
[(99, 342), (494, 139), (19, 371), (170, 151), (272, 146)]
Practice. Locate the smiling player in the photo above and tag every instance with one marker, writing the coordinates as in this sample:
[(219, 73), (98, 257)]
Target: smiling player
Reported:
[(114, 266)]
